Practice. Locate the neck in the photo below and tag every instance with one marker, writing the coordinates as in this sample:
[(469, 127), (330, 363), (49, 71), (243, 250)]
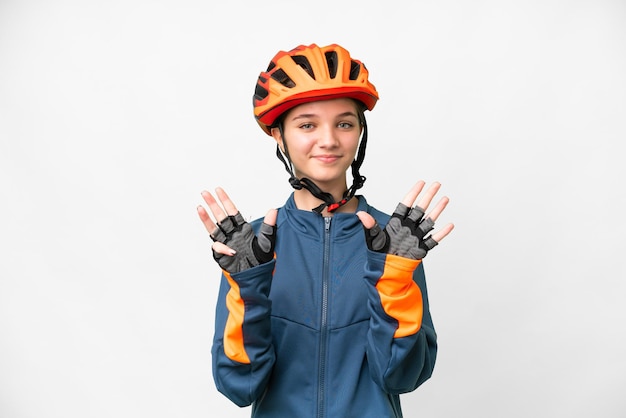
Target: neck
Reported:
[(306, 201)]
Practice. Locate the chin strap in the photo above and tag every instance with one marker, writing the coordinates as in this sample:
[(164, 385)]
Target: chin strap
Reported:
[(305, 183)]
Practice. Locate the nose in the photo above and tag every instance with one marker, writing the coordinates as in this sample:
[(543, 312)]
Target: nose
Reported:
[(327, 137)]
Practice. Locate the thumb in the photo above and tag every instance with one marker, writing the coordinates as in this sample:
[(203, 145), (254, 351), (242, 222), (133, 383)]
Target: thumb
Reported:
[(366, 219), (270, 217), (263, 244), (376, 238)]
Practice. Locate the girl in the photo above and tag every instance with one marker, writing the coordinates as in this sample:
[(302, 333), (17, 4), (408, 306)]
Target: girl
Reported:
[(323, 307)]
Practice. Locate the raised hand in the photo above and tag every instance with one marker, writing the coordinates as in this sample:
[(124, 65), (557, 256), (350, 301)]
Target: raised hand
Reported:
[(235, 246), (405, 233)]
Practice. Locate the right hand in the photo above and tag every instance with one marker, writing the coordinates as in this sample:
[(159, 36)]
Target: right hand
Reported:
[(235, 246)]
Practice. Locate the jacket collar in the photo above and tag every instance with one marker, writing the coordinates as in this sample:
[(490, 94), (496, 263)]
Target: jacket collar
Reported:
[(312, 224)]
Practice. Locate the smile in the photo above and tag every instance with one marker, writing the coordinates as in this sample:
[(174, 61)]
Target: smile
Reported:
[(327, 158)]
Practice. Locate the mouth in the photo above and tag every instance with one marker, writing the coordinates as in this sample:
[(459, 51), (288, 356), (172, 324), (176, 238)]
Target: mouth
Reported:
[(327, 158)]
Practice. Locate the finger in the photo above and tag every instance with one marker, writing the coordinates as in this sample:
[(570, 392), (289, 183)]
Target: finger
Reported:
[(366, 219), (426, 226), (215, 208), (222, 248), (228, 204), (441, 234), (206, 220), (441, 205), (401, 211), (415, 214), (270, 217), (428, 197), (410, 197)]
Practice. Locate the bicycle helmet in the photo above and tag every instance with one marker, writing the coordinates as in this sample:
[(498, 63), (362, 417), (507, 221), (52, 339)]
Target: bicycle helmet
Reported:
[(306, 74)]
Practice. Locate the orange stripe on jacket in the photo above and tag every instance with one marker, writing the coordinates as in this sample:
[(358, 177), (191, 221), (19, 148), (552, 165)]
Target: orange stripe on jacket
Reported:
[(400, 296), (233, 333)]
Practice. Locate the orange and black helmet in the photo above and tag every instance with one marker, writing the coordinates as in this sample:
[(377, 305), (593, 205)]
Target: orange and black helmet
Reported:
[(306, 74)]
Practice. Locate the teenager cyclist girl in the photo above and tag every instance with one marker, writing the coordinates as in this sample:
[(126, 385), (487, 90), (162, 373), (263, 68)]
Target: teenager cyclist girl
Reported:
[(323, 308)]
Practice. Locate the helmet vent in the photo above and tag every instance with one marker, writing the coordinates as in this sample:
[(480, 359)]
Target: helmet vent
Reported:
[(331, 61), (355, 69), (260, 93), (304, 63), (282, 77)]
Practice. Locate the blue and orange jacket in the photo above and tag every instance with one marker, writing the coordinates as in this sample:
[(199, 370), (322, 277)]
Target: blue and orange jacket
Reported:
[(328, 328)]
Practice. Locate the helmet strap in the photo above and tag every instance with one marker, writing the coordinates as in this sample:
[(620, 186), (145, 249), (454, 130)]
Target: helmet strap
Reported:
[(305, 183)]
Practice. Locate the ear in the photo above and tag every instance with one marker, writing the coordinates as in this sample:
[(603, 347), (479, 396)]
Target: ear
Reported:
[(278, 138)]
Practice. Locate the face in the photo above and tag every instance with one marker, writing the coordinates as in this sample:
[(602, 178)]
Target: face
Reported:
[(322, 139)]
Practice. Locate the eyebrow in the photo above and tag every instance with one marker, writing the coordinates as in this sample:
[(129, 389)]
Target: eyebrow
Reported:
[(312, 115)]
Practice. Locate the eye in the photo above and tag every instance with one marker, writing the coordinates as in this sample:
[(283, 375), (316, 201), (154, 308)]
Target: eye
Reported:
[(306, 125), (345, 125)]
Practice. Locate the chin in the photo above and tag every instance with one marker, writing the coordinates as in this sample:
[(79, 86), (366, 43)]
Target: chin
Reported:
[(324, 179)]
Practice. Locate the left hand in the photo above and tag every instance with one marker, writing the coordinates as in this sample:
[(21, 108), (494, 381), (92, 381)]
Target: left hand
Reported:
[(405, 233)]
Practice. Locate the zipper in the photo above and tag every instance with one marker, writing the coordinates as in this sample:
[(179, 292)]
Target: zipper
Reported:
[(321, 392)]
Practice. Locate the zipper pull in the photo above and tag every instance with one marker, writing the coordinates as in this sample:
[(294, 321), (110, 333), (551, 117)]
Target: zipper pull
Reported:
[(327, 223)]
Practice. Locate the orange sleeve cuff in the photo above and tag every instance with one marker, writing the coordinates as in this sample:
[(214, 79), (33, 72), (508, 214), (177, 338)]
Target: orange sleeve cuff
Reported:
[(233, 332), (400, 296)]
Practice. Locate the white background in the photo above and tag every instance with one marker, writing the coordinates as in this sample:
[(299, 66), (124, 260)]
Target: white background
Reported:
[(114, 115)]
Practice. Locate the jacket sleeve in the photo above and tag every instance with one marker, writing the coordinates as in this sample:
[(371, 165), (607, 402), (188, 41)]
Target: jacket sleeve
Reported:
[(401, 342), (242, 353)]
